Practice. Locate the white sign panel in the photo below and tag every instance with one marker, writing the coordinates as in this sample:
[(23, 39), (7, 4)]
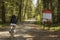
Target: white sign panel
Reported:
[(47, 16)]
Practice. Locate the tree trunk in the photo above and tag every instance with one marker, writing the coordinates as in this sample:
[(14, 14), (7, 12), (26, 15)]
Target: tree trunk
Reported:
[(19, 14), (0, 11), (58, 10), (3, 13)]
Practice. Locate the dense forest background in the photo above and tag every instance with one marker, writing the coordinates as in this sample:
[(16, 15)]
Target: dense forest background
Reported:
[(25, 9)]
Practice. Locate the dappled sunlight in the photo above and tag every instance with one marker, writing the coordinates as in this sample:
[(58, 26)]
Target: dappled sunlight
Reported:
[(53, 36), (31, 32), (17, 35), (4, 34), (32, 20)]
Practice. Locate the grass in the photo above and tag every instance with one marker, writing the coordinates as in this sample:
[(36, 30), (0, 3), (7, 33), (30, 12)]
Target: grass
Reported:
[(1, 25), (37, 22), (53, 26)]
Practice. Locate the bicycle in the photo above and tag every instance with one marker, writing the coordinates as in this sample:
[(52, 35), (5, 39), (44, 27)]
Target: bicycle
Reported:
[(12, 30)]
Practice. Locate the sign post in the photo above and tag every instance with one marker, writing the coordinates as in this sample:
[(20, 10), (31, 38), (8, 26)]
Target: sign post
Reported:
[(47, 17)]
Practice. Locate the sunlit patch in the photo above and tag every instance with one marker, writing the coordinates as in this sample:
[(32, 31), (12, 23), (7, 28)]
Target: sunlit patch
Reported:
[(17, 35), (53, 35)]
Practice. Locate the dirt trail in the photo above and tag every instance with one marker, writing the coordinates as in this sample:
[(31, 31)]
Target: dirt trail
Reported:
[(29, 32)]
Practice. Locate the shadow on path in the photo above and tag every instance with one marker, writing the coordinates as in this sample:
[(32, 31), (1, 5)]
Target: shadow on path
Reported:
[(16, 38)]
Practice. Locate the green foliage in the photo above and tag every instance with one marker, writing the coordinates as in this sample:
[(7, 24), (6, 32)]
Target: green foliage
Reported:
[(37, 22), (28, 10), (38, 10), (1, 25)]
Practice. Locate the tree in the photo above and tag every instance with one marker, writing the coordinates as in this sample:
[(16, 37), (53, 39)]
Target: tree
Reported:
[(27, 9), (3, 12), (0, 10), (58, 12), (19, 14), (38, 10)]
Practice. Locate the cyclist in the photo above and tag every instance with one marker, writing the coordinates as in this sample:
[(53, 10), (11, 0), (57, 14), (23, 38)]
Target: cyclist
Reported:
[(13, 25)]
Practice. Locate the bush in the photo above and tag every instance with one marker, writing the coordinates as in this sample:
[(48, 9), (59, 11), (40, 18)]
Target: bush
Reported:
[(37, 22)]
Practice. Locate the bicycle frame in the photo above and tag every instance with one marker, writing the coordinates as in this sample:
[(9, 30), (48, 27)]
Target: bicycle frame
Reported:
[(12, 31)]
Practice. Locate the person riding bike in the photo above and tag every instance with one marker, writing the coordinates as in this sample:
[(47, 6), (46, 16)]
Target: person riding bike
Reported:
[(13, 22)]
